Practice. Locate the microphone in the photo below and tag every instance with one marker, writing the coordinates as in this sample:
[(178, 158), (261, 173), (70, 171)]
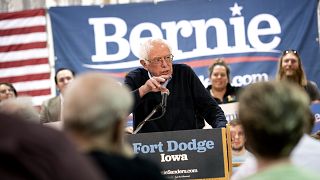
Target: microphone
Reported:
[(164, 96), (162, 106)]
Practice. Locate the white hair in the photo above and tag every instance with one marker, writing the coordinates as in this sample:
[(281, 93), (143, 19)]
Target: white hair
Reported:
[(146, 47), (94, 102)]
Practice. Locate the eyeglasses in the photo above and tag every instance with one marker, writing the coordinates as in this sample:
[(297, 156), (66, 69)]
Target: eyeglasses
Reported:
[(159, 60), (290, 51)]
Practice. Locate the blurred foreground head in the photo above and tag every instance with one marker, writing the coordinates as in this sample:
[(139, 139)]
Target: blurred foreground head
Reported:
[(95, 104), (31, 151), (20, 107), (274, 116)]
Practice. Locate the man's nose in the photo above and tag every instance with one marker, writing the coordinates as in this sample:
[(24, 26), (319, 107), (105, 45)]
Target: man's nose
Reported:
[(164, 63), (66, 81)]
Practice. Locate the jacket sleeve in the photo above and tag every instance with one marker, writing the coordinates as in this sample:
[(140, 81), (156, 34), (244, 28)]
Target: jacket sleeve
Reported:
[(132, 82)]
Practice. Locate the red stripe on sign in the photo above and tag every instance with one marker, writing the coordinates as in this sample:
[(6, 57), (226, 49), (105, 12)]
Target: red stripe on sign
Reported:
[(40, 92), (22, 14), (208, 62), (25, 30), (26, 46), (117, 75), (31, 77), (24, 63)]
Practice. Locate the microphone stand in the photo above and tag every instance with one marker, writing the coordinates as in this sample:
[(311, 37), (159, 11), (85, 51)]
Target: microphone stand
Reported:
[(156, 109)]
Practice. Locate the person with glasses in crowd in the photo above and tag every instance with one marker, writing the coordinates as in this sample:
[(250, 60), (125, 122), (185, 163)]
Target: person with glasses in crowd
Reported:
[(290, 68), (187, 96), (7, 91), (220, 88)]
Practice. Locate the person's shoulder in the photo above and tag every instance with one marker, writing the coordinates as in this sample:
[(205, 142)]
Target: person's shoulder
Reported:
[(137, 71), (51, 101), (312, 84), (181, 66)]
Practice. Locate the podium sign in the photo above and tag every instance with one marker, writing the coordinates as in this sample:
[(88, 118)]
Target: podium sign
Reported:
[(188, 154), (230, 110)]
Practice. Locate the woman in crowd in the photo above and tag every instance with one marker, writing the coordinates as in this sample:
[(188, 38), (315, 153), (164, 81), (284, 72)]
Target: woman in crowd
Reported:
[(7, 91), (220, 88)]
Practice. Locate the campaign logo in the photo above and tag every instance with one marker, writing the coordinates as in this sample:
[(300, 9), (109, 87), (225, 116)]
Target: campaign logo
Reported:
[(246, 39)]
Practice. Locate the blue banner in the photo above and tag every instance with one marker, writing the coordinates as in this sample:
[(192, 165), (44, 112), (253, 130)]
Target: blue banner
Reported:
[(249, 34), (315, 108)]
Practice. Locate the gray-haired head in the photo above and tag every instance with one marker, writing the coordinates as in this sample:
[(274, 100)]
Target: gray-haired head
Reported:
[(22, 107), (274, 116), (149, 44), (94, 102)]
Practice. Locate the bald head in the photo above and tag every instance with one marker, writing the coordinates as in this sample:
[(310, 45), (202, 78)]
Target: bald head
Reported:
[(94, 102)]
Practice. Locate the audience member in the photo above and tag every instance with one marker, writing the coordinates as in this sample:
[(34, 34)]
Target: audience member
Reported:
[(7, 91), (220, 88), (51, 110), (187, 95), (31, 151), (290, 68), (21, 107), (274, 116), (303, 155), (239, 152), (95, 121)]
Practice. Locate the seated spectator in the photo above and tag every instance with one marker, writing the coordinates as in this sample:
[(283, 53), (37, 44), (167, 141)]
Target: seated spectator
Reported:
[(239, 152), (7, 91), (31, 151), (290, 69), (96, 108), (51, 110), (220, 88), (274, 116)]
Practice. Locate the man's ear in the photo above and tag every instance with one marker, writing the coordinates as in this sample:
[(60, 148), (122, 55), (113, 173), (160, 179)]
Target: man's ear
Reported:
[(143, 63)]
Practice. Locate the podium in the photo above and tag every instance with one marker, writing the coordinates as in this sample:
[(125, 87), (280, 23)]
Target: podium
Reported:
[(187, 154)]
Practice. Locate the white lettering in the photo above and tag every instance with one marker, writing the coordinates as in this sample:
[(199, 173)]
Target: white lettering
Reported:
[(101, 40), (138, 147), (114, 47), (248, 79), (254, 31), (135, 37), (200, 146), (174, 157)]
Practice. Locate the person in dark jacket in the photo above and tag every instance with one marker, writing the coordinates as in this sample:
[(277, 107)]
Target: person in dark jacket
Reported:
[(187, 96), (220, 88)]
